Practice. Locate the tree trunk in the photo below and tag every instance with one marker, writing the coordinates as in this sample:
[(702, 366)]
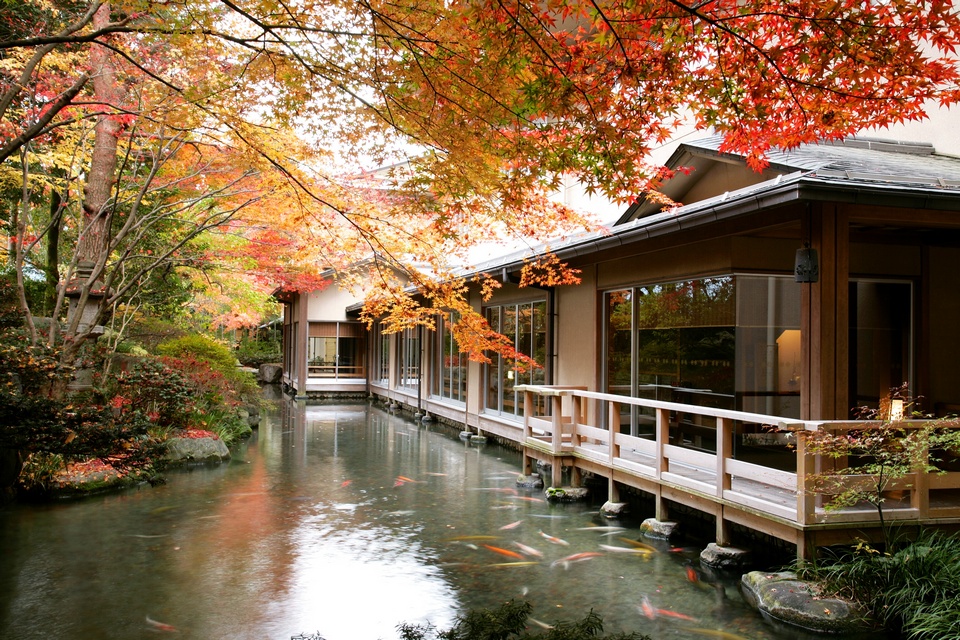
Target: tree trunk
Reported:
[(52, 269)]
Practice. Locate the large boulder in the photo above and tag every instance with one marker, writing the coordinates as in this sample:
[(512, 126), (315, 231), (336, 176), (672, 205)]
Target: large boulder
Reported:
[(269, 373), (784, 598), (184, 450)]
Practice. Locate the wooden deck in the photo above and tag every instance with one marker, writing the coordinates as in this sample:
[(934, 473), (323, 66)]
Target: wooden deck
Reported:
[(763, 498)]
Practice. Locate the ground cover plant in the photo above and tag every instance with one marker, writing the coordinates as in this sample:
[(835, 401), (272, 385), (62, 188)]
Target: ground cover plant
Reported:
[(509, 621), (914, 592)]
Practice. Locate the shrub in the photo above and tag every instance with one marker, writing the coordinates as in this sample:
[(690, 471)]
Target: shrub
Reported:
[(201, 348), (255, 353), (914, 592)]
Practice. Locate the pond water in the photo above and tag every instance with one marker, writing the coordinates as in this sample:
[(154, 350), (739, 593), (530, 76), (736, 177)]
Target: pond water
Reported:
[(342, 520)]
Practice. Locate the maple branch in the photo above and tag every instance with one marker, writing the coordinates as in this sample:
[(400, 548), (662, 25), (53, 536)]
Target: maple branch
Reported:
[(46, 116)]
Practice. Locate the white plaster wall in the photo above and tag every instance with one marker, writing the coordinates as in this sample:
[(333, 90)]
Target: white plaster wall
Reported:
[(330, 304), (578, 323), (942, 130)]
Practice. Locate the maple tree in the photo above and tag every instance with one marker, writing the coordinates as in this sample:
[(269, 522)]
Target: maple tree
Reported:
[(232, 111)]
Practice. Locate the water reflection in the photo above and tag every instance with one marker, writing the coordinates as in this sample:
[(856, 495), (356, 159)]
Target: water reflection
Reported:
[(347, 521)]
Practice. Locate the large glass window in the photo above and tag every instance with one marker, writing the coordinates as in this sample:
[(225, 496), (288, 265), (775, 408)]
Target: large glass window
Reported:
[(381, 354), (409, 374), (526, 326), (336, 350), (450, 368), (729, 342), (880, 339)]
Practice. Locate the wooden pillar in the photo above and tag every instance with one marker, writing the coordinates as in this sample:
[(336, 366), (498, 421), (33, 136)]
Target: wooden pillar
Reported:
[(825, 317), (725, 428), (661, 462), (302, 340)]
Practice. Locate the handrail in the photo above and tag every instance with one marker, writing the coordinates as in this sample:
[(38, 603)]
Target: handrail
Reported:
[(709, 474)]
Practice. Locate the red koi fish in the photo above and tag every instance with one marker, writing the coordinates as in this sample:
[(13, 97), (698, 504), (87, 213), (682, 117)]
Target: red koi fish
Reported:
[(673, 614), (692, 575), (345, 483), (647, 608), (504, 552), (161, 626)]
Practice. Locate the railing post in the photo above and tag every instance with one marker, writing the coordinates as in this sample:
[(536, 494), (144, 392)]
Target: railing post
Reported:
[(527, 413), (663, 438), (920, 491), (556, 438), (613, 428), (806, 500), (724, 451), (575, 418)]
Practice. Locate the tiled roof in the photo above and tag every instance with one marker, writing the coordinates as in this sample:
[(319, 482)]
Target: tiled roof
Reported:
[(861, 159)]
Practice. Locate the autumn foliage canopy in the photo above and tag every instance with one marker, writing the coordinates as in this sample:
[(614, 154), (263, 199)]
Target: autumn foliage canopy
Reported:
[(245, 131)]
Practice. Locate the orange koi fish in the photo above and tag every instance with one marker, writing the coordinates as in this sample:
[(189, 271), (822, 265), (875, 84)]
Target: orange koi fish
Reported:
[(527, 498), (161, 626), (673, 614), (504, 552), (405, 479), (512, 525), (345, 483), (554, 539), (692, 575)]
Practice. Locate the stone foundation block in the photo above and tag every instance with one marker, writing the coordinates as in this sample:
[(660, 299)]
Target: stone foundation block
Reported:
[(613, 509), (567, 494), (532, 481), (724, 558), (661, 530)]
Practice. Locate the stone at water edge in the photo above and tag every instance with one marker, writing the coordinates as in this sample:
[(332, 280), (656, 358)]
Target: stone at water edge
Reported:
[(784, 598), (532, 481), (613, 510), (567, 494), (659, 529), (196, 450), (718, 557), (269, 373)]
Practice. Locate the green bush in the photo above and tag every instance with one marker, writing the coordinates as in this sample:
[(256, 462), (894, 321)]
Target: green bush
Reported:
[(509, 621), (254, 353), (915, 592), (199, 347)]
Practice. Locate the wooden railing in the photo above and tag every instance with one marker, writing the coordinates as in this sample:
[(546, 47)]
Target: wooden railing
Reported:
[(564, 428)]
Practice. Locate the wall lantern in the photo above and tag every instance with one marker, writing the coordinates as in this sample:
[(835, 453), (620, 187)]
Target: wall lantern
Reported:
[(805, 267)]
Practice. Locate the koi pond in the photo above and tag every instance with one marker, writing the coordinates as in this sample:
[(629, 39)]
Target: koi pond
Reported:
[(344, 521)]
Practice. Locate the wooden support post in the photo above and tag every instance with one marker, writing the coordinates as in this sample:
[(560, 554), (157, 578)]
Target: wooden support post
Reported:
[(556, 477), (724, 451), (527, 463), (663, 437), (613, 489), (920, 490), (527, 413), (613, 428), (557, 422), (806, 499), (576, 478), (575, 420)]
